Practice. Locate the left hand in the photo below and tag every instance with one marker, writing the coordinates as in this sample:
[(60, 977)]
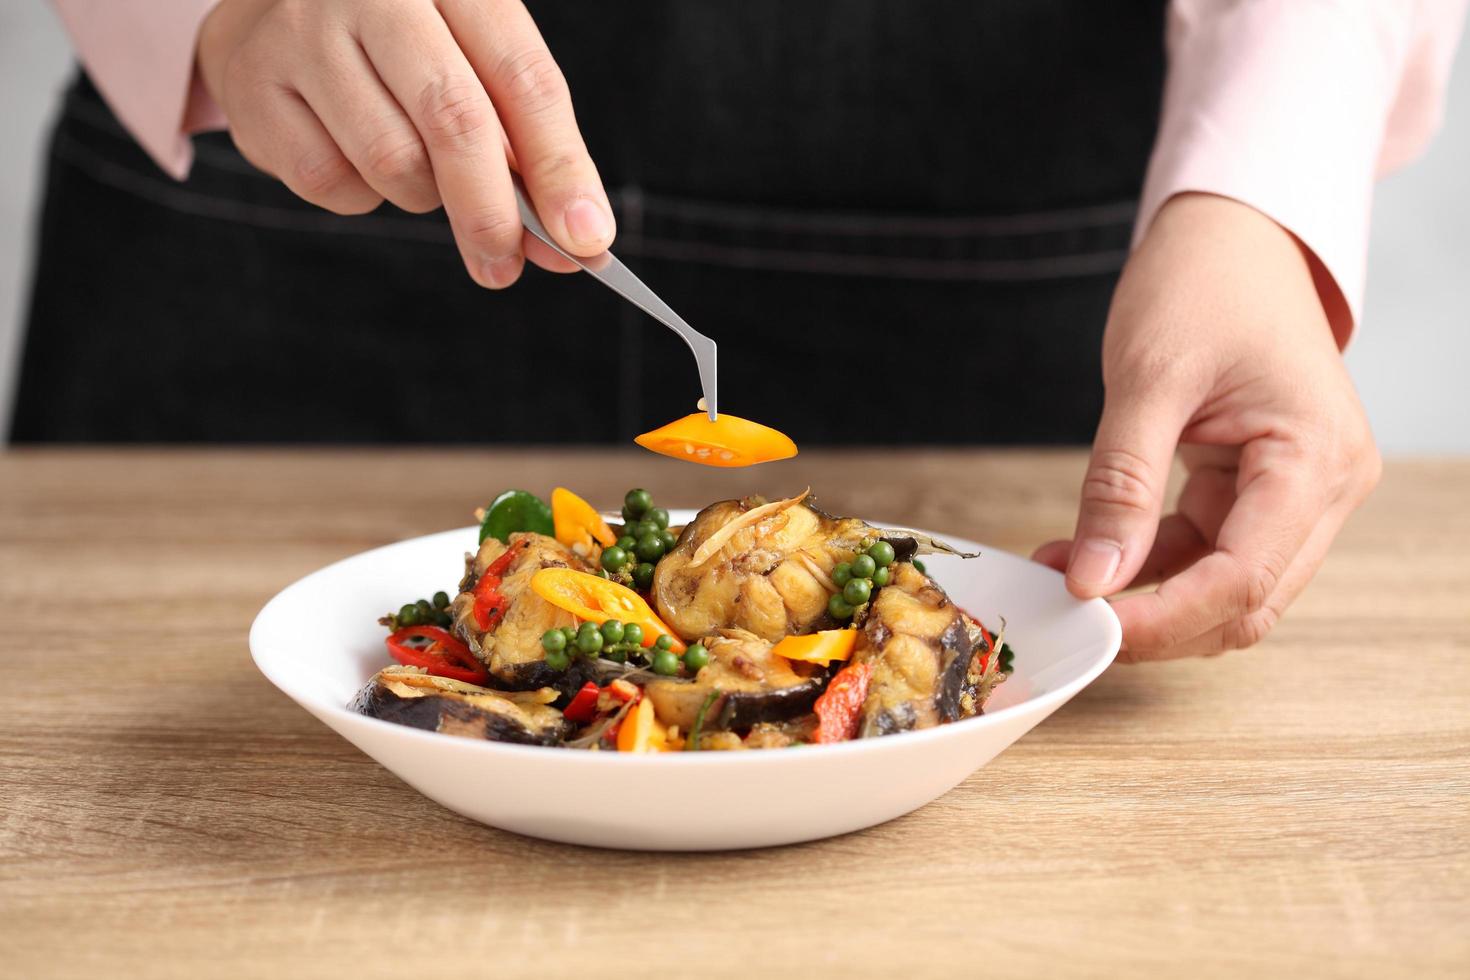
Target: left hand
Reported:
[(1216, 344)]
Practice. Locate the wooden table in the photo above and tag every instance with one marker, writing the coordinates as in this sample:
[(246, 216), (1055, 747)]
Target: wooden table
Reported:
[(1302, 808)]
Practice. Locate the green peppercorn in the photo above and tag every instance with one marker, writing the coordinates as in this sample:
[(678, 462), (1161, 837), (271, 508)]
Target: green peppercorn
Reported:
[(881, 552), (650, 547), (442, 619), (409, 615), (863, 566), (627, 542), (614, 558), (667, 537), (633, 634), (628, 516), (616, 656), (589, 641), (660, 517), (644, 528), (880, 578), (638, 501), (612, 631), (553, 641), (696, 657), (441, 600), (666, 663), (841, 574), (558, 660), (856, 592), (664, 642), (643, 575), (920, 566), (838, 607), (570, 632)]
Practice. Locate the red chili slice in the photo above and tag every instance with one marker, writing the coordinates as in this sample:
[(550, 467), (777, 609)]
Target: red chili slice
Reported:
[(443, 655), (490, 605), (583, 707), (841, 705)]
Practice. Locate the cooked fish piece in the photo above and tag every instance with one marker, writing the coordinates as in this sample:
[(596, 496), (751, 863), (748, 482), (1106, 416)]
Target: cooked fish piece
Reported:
[(754, 685), (410, 696), (922, 649), (764, 567), (507, 635)]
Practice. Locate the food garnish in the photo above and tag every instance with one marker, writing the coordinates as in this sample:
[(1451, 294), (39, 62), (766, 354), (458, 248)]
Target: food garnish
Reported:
[(513, 511), (724, 441)]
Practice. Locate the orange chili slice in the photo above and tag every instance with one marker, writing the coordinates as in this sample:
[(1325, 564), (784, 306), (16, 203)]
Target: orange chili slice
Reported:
[(641, 730), (594, 599), (727, 441), (577, 522), (818, 648)]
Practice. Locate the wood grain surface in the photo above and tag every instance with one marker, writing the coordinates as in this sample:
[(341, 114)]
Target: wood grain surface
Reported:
[(1302, 808)]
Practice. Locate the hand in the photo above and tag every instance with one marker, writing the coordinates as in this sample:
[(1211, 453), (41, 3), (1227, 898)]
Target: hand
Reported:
[(1217, 343), (416, 101)]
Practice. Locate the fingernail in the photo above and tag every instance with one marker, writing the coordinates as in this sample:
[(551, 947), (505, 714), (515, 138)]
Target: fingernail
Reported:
[(502, 271), (588, 223), (1094, 563)]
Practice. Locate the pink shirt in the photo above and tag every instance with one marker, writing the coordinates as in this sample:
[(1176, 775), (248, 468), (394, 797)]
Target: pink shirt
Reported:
[(1293, 107)]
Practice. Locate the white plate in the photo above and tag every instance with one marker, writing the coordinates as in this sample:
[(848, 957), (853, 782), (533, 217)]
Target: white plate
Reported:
[(318, 641)]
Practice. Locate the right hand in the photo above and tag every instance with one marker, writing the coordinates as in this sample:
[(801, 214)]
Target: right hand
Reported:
[(423, 103)]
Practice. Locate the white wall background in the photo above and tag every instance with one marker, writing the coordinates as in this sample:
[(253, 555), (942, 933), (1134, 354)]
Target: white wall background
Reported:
[(1410, 357)]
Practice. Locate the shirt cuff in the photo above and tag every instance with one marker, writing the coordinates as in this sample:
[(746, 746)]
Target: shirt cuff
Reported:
[(140, 55), (1281, 105)]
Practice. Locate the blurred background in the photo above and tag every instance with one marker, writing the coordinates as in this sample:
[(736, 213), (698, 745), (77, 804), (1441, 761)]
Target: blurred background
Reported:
[(1409, 356)]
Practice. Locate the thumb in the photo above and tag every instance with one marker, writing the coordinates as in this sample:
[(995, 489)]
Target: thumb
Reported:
[(1123, 492)]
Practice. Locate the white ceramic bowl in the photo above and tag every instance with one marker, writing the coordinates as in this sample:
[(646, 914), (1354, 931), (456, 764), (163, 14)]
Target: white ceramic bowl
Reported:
[(319, 642)]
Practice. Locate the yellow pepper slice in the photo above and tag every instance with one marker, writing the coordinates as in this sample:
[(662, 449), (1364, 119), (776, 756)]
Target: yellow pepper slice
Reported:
[(641, 730), (727, 441), (818, 648), (594, 599), (577, 522)]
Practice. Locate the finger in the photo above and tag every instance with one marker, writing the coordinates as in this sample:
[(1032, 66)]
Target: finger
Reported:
[(545, 256), (288, 140), (421, 64), (1054, 554), (1123, 492), (370, 127), (1248, 630), (1187, 536), (533, 102), (1279, 503)]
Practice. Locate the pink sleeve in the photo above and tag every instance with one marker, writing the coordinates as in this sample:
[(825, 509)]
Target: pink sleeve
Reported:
[(1294, 107), (140, 55)]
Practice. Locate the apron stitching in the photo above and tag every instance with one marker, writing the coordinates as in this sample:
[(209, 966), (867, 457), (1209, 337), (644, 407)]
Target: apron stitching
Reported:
[(265, 216), (1004, 270), (1117, 213)]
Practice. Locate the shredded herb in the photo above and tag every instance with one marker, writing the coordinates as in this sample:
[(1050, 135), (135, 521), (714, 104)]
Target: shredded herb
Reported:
[(697, 730)]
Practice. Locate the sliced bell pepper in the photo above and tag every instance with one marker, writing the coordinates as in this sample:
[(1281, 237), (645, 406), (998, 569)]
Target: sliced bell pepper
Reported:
[(443, 655), (583, 707), (841, 706), (596, 600), (727, 441), (578, 523), (818, 648), (641, 731)]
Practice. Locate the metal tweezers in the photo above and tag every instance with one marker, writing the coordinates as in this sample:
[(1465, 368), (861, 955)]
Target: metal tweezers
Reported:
[(607, 270)]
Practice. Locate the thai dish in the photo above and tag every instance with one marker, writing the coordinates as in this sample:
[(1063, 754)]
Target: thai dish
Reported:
[(758, 625)]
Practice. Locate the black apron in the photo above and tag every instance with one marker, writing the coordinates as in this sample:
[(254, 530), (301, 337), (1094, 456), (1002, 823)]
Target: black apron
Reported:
[(902, 222)]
